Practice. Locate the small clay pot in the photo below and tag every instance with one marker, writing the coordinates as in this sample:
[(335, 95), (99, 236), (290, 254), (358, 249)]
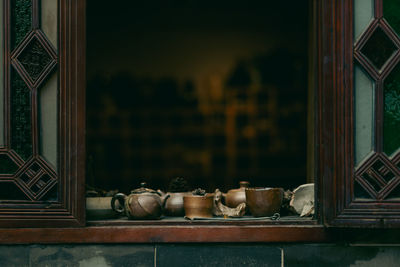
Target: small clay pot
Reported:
[(99, 208), (198, 206), (234, 197), (263, 201), (174, 204)]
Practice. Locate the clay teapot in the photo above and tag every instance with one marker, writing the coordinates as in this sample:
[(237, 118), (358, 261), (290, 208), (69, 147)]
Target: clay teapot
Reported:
[(142, 203), (234, 197)]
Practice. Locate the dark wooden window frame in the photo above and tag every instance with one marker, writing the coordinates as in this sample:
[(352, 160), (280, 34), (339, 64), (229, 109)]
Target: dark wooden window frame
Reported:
[(337, 172), (68, 210), (331, 74)]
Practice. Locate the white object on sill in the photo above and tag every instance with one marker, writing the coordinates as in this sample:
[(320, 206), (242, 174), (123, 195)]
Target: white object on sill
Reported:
[(303, 200)]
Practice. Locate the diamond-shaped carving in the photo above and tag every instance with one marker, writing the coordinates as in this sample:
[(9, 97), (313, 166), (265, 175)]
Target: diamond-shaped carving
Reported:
[(382, 170), (379, 48), (34, 58), (36, 180), (378, 178), (40, 183)]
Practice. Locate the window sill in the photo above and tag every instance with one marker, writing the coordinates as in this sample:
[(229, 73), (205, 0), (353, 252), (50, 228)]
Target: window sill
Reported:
[(172, 221), (171, 232), (198, 234)]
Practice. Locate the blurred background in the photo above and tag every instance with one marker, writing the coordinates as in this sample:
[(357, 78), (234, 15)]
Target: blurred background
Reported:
[(212, 91)]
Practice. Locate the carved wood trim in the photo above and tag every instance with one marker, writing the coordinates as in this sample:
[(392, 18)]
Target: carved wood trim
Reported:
[(336, 119), (69, 210)]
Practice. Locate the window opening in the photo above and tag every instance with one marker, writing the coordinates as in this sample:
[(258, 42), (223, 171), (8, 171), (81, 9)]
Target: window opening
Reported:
[(215, 92)]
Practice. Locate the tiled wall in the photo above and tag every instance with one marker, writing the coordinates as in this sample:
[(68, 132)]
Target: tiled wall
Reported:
[(201, 255)]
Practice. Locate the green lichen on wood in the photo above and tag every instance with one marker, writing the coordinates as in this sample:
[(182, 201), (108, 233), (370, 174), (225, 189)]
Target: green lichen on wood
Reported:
[(21, 122), (21, 17)]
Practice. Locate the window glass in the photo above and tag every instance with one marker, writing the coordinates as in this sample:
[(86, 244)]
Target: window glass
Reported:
[(391, 13), (49, 20), (48, 100), (21, 15), (364, 114), (363, 15)]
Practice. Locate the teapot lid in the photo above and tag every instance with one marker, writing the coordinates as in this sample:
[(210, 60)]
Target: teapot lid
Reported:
[(143, 189)]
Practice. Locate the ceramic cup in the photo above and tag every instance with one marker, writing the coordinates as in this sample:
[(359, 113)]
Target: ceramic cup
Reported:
[(264, 201)]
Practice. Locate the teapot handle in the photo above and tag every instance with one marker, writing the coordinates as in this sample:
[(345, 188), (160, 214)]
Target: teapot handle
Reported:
[(121, 200), (164, 200)]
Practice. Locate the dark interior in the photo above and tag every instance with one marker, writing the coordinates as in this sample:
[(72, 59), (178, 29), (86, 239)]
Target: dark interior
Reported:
[(212, 91)]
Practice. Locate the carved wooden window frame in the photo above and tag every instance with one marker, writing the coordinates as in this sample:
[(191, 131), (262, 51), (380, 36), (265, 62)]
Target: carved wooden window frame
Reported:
[(336, 168), (332, 53), (32, 169)]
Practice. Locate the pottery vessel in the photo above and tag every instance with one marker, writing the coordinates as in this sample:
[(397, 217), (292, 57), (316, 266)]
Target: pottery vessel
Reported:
[(142, 203), (234, 197), (174, 204), (198, 206), (99, 208), (263, 201)]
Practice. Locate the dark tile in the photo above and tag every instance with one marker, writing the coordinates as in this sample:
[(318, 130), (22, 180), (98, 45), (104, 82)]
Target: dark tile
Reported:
[(92, 255), (340, 255), (217, 255), (14, 256)]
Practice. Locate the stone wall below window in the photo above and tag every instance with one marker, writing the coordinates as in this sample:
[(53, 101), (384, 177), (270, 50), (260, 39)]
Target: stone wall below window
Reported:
[(201, 255)]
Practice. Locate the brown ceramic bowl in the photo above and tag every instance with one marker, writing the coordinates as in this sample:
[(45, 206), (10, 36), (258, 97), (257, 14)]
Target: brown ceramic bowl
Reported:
[(263, 201), (198, 206)]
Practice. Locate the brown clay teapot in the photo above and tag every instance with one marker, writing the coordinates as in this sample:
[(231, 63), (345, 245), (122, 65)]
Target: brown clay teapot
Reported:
[(234, 197), (142, 203)]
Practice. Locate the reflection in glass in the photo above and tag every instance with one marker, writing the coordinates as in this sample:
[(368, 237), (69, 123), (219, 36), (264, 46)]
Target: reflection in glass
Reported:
[(391, 121), (391, 9), (48, 113), (379, 48), (49, 20), (363, 15), (364, 89)]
